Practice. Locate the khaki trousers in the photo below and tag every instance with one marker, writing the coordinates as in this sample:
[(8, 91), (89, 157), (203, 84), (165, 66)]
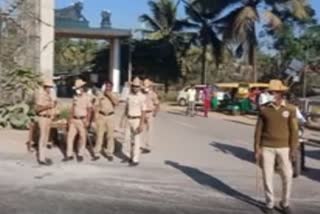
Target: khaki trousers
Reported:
[(44, 126), (132, 140), (269, 158), (148, 131), (77, 126), (105, 126)]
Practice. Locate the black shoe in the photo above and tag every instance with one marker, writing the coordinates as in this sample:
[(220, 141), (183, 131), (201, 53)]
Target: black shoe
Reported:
[(126, 160), (106, 156), (285, 210), (133, 164), (109, 158), (269, 211), (66, 159), (79, 159), (46, 162), (95, 158), (146, 151)]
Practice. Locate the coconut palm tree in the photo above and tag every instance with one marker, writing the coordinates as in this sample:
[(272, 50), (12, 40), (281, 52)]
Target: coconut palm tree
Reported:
[(202, 15), (163, 22), (239, 25)]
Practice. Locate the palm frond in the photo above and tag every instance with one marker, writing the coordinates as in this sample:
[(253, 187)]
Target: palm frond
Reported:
[(238, 23), (299, 9), (185, 24), (155, 10), (150, 22), (210, 9), (217, 47), (273, 21)]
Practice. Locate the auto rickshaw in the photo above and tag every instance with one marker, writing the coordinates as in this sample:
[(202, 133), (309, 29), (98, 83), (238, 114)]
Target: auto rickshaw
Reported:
[(236, 97)]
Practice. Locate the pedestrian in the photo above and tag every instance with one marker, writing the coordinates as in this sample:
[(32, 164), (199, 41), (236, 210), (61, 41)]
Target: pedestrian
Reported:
[(45, 106), (104, 117), (135, 114), (152, 107), (207, 95), (79, 121), (191, 100), (276, 141)]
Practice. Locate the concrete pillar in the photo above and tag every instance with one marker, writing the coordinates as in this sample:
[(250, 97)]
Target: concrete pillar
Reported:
[(115, 64), (47, 37)]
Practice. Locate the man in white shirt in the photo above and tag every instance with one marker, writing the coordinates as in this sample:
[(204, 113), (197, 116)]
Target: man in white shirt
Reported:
[(191, 99)]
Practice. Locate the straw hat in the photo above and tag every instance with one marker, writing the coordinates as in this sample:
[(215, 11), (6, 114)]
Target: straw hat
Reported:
[(48, 82), (136, 82), (147, 83), (79, 84), (277, 85)]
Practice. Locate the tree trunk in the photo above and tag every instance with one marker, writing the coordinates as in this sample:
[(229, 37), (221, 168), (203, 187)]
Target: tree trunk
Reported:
[(203, 64), (253, 54), (253, 61)]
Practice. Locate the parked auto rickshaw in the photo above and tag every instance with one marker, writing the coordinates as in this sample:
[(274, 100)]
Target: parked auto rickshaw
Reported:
[(236, 97)]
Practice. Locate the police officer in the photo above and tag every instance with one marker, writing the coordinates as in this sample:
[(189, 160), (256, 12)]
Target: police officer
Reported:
[(276, 141), (45, 105), (152, 108), (135, 114), (79, 121), (104, 115)]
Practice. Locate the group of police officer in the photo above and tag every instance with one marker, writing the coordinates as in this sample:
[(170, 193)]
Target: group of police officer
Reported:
[(141, 106)]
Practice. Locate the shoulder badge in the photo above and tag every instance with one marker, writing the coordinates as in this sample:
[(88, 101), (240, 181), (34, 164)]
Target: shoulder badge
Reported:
[(285, 114)]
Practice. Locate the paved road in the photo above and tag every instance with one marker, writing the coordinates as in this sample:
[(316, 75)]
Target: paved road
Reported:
[(198, 166)]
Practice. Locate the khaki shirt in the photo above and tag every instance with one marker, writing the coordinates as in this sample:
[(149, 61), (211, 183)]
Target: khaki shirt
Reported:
[(42, 98), (136, 104), (151, 100), (81, 105), (105, 105)]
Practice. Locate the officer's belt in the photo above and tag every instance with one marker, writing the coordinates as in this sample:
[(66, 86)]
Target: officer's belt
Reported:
[(44, 115), (149, 111), (104, 114), (133, 117), (79, 118)]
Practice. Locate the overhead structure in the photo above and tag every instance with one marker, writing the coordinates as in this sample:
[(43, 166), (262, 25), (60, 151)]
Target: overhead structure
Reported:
[(71, 23)]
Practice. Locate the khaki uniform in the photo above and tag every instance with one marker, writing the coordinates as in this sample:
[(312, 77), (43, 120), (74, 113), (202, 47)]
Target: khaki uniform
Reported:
[(44, 120), (276, 133), (151, 102), (81, 104), (135, 106), (104, 111)]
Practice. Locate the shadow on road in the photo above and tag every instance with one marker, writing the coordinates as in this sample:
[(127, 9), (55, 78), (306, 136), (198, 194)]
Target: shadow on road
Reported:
[(312, 173), (240, 122), (179, 113), (205, 179), (119, 150), (239, 152)]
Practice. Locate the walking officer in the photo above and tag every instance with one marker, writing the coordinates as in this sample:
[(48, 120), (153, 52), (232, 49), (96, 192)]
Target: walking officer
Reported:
[(276, 141), (152, 108), (104, 115), (79, 121), (45, 105), (135, 114)]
